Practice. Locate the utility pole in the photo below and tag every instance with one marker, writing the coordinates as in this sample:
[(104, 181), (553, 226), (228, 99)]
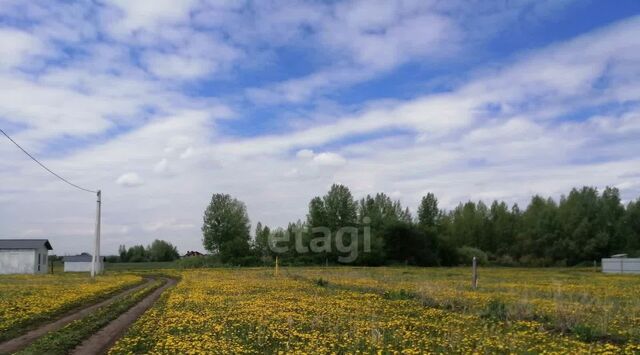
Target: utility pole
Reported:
[(96, 248)]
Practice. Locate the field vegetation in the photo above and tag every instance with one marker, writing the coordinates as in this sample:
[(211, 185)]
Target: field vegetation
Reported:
[(27, 300), (409, 310), (64, 340)]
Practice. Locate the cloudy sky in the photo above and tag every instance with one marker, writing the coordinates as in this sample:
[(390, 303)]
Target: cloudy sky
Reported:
[(162, 103)]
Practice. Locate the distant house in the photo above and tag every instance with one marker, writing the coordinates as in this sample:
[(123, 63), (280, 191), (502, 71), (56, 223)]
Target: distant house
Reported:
[(24, 256), (81, 263), (192, 253)]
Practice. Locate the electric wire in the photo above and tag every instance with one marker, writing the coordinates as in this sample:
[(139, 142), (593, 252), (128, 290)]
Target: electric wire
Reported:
[(44, 167)]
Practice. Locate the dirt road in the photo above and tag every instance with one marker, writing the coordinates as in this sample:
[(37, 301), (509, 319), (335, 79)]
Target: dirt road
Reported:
[(20, 342), (101, 341)]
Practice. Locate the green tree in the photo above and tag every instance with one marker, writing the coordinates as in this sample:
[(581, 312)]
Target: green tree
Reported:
[(611, 212), (136, 254), (629, 227), (226, 228), (377, 212), (317, 215), (502, 228), (340, 208), (428, 212), (122, 251), (469, 224), (407, 243), (538, 240), (335, 210), (160, 250), (262, 240), (381, 210)]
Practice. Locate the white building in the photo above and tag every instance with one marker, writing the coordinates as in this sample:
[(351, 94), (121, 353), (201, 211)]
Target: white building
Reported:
[(620, 264), (81, 263), (24, 256)]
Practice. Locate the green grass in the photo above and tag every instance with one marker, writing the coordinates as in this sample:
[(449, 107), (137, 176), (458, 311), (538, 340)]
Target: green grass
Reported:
[(33, 322), (140, 266), (64, 340)]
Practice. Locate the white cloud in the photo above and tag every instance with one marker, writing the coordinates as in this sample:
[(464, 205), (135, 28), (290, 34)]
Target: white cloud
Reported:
[(329, 159), (187, 153), (16, 46), (140, 15), (305, 153), (169, 225), (129, 180), (497, 134), (161, 166), (177, 66)]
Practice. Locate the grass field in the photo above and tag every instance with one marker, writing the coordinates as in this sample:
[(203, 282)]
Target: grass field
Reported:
[(29, 299), (409, 310), (345, 310)]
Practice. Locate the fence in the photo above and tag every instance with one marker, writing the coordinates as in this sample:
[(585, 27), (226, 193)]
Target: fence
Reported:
[(621, 265)]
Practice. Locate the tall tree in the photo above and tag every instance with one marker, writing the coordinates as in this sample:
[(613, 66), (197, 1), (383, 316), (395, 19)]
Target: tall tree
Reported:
[(340, 207), (503, 228), (611, 212), (262, 240), (406, 242), (226, 228), (381, 210), (428, 212), (335, 210), (630, 228)]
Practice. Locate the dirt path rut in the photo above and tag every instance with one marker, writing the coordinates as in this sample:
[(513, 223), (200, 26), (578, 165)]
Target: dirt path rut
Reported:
[(101, 341), (22, 341)]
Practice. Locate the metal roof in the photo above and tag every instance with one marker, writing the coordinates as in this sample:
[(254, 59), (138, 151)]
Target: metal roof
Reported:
[(84, 257), (25, 244)]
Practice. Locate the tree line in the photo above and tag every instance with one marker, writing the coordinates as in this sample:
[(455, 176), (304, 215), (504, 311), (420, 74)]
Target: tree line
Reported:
[(578, 228), (158, 250)]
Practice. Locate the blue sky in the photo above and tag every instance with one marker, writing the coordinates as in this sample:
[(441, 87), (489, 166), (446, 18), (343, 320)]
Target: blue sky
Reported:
[(160, 104)]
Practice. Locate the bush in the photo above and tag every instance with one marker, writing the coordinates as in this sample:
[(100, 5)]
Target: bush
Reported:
[(466, 254), (495, 310), (400, 294), (506, 260), (585, 333), (530, 260)]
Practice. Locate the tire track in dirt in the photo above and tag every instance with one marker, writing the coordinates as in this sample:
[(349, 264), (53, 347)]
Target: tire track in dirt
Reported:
[(102, 340), (24, 340)]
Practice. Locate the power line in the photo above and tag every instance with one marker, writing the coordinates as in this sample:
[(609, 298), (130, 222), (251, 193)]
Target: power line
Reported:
[(43, 166)]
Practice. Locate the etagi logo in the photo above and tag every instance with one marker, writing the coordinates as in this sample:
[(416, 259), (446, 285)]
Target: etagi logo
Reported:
[(321, 239)]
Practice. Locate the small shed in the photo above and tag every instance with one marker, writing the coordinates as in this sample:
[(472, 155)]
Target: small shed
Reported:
[(81, 263), (24, 256), (620, 264)]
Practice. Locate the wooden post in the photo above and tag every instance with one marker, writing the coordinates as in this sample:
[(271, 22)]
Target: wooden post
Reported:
[(474, 273), (276, 272), (595, 266)]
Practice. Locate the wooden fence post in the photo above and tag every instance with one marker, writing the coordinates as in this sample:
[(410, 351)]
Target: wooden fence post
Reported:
[(474, 273)]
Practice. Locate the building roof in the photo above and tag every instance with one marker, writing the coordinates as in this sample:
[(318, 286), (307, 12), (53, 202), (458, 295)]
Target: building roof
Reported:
[(25, 244), (84, 257)]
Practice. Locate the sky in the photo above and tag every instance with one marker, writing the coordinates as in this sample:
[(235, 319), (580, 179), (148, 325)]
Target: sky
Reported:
[(161, 104)]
